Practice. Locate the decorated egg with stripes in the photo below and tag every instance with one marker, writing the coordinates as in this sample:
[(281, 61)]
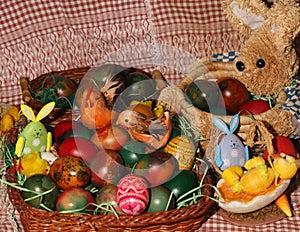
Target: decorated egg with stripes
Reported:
[(133, 194), (183, 148)]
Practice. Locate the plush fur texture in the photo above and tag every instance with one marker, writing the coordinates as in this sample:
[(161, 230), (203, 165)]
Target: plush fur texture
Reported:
[(271, 33), (266, 64)]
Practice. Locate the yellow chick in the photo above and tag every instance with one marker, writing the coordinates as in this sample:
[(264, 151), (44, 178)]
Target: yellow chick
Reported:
[(33, 164), (157, 109), (257, 178)]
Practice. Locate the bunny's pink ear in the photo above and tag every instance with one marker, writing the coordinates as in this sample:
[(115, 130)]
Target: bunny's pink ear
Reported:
[(246, 15)]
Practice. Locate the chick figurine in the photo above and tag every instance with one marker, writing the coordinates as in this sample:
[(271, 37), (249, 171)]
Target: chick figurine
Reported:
[(33, 164), (257, 178)]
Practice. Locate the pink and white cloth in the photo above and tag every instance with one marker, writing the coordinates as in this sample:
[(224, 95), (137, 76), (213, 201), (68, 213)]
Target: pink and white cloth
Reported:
[(37, 37)]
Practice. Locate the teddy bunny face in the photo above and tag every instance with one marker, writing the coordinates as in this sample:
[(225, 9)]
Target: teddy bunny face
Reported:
[(268, 61)]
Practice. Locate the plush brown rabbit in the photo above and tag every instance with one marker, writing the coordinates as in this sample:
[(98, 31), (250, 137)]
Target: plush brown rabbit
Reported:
[(266, 65)]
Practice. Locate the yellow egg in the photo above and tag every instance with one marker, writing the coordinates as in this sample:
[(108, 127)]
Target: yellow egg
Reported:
[(183, 149)]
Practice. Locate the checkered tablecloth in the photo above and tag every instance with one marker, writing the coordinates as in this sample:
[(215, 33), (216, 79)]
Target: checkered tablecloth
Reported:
[(37, 37)]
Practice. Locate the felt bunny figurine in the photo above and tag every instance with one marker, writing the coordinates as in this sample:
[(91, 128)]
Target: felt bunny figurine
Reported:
[(230, 151), (266, 64), (34, 137)]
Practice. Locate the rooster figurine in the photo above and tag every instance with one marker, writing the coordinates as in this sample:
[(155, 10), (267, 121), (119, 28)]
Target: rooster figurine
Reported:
[(143, 125)]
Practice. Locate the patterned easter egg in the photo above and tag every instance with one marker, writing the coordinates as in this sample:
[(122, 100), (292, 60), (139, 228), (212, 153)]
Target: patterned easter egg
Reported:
[(133, 194), (183, 149)]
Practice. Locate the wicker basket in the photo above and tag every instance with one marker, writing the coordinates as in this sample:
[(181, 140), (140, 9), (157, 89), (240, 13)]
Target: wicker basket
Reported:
[(184, 219), (201, 121), (29, 87)]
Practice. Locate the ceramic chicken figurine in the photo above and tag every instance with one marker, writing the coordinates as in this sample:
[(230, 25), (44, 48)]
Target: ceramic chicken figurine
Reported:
[(145, 127)]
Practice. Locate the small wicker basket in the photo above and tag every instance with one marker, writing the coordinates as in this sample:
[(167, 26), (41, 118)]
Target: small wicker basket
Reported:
[(201, 121)]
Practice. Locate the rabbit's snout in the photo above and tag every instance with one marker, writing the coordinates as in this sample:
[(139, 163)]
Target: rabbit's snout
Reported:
[(38, 133), (234, 145)]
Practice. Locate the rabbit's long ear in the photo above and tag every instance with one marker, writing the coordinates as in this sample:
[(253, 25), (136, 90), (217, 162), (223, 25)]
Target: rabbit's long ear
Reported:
[(28, 112), (45, 111), (283, 23), (234, 123), (246, 15), (221, 125)]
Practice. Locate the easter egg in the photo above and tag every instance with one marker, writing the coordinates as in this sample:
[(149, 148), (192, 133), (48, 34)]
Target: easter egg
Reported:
[(157, 167), (79, 147), (133, 194), (183, 149), (132, 152), (70, 128), (70, 171), (39, 184), (111, 137), (159, 200), (75, 199), (234, 94), (107, 195), (253, 107), (182, 183), (139, 86), (282, 144), (204, 94), (107, 168)]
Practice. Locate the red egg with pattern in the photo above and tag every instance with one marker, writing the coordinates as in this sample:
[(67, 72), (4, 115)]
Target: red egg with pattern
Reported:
[(133, 194)]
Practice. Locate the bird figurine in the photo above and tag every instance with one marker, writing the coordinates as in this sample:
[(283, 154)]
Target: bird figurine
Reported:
[(144, 126)]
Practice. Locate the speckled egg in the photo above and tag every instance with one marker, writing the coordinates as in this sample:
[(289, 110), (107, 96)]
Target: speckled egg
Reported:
[(183, 149), (70, 171), (133, 194)]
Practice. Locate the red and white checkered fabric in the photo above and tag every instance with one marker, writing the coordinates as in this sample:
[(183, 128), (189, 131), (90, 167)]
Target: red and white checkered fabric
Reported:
[(37, 37)]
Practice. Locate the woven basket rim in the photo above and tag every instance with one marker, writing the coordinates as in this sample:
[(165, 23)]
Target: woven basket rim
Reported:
[(152, 219)]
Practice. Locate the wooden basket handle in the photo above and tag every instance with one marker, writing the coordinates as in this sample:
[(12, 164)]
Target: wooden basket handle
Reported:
[(26, 94)]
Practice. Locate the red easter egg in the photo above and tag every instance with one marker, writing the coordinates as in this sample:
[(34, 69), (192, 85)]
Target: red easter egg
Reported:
[(254, 107), (133, 194), (282, 144), (234, 94), (111, 137), (78, 147)]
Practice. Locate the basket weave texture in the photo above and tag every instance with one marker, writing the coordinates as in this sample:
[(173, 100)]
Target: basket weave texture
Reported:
[(201, 121), (57, 114), (184, 219)]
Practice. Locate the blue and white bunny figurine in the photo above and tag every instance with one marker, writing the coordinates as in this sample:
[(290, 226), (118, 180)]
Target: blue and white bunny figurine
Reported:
[(230, 150)]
